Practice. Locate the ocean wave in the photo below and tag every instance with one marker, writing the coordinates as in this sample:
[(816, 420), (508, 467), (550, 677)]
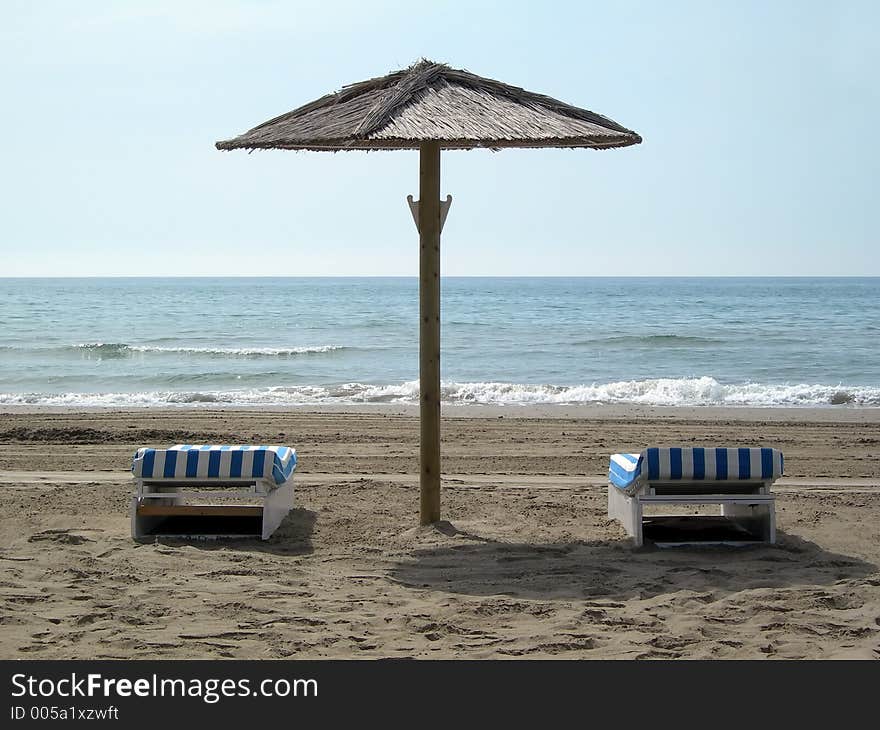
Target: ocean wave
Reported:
[(117, 349), (701, 391), (660, 340)]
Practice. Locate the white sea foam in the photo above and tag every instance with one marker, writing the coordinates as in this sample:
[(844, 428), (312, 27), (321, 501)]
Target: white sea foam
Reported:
[(116, 348), (702, 391)]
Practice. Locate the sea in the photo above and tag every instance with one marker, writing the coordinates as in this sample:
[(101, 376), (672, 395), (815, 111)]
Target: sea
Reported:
[(172, 342)]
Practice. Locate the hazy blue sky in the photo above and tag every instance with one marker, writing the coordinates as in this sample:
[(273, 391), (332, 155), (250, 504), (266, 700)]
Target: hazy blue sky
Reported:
[(759, 119)]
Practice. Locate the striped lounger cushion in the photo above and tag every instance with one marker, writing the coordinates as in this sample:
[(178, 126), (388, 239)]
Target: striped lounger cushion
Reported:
[(630, 472), (185, 461)]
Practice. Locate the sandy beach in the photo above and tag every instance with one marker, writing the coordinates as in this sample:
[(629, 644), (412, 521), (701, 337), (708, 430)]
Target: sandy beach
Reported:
[(526, 566)]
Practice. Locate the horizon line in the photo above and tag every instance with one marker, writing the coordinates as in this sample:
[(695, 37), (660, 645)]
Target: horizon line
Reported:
[(446, 276)]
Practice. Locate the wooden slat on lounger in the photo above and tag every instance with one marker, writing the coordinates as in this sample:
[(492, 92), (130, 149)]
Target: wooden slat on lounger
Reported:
[(192, 510)]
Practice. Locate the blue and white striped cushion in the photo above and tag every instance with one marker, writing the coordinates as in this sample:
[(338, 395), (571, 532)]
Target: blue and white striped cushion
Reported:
[(185, 461), (630, 471), (624, 469)]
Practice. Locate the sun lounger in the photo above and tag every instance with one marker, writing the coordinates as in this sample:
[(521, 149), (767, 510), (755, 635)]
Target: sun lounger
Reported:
[(211, 491), (737, 479)]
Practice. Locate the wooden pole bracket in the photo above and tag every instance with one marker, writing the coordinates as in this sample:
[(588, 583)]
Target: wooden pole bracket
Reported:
[(414, 209)]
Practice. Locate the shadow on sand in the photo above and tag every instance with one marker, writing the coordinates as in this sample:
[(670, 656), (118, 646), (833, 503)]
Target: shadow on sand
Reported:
[(614, 570), (293, 537)]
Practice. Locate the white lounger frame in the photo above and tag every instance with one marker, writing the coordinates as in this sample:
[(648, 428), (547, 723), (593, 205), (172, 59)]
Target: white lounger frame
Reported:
[(748, 504), (156, 499)]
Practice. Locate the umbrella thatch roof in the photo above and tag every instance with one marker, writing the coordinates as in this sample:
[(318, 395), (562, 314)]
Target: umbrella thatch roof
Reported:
[(430, 101)]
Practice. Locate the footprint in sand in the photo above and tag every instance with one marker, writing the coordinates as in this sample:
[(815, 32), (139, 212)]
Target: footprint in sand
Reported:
[(63, 537)]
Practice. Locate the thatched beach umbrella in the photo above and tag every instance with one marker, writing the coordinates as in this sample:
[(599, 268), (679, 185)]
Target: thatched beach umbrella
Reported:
[(430, 107)]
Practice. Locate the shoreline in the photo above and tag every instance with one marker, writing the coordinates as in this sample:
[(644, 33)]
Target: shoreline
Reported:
[(598, 411)]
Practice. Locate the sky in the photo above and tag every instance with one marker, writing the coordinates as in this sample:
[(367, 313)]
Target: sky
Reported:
[(759, 120)]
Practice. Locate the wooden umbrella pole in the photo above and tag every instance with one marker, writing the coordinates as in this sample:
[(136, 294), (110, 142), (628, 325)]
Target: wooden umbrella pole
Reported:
[(429, 330)]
